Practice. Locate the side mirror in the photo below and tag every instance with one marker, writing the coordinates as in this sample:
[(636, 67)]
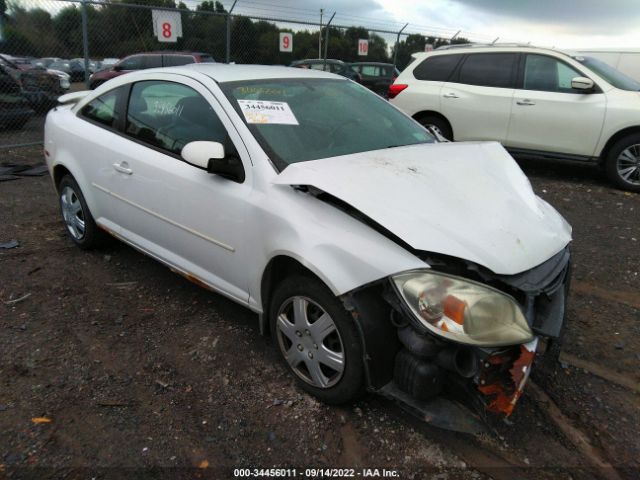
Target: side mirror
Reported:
[(581, 83), (211, 157)]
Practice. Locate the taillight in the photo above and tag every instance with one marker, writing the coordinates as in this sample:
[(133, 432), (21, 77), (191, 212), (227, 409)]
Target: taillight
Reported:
[(396, 88)]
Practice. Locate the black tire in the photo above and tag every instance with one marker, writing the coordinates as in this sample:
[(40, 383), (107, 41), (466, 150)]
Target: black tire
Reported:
[(441, 124), (92, 236), (350, 386), (611, 163)]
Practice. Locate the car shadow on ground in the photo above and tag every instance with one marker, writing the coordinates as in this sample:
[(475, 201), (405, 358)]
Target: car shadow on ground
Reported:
[(582, 174)]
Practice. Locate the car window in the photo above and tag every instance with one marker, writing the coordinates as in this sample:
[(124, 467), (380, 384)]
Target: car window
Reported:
[(132, 63), (318, 66), (320, 118), (610, 74), (370, 70), (169, 115), (488, 70), (437, 68), (103, 108), (206, 59), (548, 74), (176, 60)]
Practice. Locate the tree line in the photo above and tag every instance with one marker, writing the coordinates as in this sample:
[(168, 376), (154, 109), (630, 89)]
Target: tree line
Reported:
[(116, 30)]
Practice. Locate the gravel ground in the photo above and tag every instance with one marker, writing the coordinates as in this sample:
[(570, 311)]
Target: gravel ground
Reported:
[(142, 374)]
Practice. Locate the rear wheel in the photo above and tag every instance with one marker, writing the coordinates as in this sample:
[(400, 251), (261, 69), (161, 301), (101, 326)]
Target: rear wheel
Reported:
[(438, 124), (622, 165), (317, 339), (81, 227)]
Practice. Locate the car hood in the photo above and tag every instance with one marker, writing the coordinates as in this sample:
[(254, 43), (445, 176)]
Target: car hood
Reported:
[(468, 200)]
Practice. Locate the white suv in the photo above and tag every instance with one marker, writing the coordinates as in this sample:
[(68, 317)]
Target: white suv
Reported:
[(535, 101)]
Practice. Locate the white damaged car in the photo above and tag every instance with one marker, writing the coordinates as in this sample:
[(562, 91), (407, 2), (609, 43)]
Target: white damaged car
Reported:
[(377, 258)]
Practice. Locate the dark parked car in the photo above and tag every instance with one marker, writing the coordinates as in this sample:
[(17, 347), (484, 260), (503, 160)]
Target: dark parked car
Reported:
[(14, 108), (334, 66), (376, 76), (73, 68), (142, 61), (38, 86)]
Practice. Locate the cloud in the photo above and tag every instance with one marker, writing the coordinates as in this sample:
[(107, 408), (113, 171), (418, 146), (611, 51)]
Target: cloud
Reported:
[(586, 16)]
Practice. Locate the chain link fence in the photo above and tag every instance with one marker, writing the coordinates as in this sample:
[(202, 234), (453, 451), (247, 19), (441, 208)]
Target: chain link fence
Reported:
[(51, 47)]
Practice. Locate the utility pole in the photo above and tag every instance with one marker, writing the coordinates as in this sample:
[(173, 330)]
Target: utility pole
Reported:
[(320, 35), (229, 30), (326, 41)]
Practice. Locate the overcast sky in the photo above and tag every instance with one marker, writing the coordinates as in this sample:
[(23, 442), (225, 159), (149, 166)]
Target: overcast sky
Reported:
[(560, 23)]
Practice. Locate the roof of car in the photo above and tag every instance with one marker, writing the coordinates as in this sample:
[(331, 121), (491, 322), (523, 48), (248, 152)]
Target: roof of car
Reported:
[(382, 64), (221, 72), (317, 60), (484, 48)]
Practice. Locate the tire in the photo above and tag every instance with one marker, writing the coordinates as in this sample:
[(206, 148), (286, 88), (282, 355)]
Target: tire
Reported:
[(310, 295), (438, 123), (624, 156), (80, 225)]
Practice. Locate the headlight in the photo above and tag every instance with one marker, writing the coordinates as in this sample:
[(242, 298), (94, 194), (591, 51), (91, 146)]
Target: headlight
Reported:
[(462, 310)]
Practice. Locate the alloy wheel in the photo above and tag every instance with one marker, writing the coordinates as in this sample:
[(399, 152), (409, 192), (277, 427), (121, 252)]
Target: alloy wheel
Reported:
[(72, 212), (628, 164), (310, 342)]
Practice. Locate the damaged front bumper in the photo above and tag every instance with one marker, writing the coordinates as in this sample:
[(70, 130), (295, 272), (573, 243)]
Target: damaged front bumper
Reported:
[(449, 384)]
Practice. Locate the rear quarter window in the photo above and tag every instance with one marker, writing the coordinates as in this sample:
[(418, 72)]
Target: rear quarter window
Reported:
[(437, 68)]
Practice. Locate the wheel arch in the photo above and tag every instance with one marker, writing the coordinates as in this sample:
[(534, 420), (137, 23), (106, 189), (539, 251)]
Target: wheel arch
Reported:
[(615, 138), (59, 171), (432, 113), (277, 269)]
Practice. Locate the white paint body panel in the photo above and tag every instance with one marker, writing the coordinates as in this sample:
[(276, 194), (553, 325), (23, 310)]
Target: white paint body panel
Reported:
[(562, 123), (467, 200), (225, 234)]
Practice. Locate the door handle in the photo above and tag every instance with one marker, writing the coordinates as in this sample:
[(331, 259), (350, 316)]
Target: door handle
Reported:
[(450, 95), (525, 102), (122, 168)]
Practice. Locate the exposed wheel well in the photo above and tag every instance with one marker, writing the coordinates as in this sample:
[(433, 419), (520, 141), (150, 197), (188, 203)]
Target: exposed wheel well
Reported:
[(612, 141), (59, 171), (278, 268), (430, 113)]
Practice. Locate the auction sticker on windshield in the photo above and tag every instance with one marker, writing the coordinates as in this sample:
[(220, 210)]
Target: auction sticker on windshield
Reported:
[(266, 112)]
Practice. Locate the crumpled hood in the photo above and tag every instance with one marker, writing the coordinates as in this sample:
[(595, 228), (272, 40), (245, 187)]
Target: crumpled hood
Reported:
[(468, 200)]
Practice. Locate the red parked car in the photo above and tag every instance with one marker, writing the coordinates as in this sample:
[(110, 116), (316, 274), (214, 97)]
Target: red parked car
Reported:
[(141, 61)]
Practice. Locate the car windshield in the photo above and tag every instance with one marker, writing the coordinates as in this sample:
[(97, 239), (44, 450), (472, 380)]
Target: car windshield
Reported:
[(297, 120), (610, 74)]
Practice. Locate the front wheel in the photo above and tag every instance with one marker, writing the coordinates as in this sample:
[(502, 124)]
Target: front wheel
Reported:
[(79, 222), (317, 339), (622, 165)]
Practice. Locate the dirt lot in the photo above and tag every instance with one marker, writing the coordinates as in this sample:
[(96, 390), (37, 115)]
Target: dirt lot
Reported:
[(142, 374)]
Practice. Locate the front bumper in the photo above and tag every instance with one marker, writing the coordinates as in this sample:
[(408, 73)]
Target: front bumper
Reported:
[(436, 378)]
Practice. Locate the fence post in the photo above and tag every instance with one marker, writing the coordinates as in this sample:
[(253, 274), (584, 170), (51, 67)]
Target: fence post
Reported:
[(395, 51), (229, 31), (326, 41), (85, 42)]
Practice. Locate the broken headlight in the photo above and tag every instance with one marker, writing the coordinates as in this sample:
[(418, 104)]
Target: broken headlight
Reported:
[(462, 310)]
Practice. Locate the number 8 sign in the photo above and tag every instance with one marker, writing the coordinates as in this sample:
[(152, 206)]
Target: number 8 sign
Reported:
[(167, 26), (286, 42)]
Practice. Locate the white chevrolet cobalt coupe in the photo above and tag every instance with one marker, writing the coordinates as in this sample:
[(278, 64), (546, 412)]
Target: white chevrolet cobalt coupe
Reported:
[(377, 257)]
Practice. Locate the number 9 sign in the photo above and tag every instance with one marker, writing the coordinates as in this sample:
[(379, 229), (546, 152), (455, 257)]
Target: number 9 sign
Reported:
[(286, 42)]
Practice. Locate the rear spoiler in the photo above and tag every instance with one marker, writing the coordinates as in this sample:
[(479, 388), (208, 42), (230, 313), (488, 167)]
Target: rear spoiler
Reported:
[(73, 97)]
